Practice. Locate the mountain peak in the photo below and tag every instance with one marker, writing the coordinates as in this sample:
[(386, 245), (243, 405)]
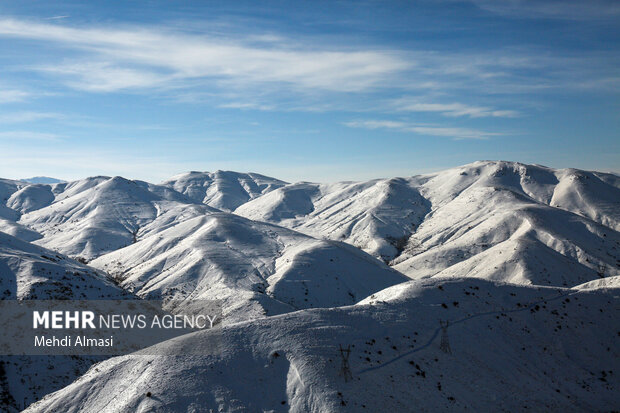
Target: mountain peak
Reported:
[(42, 180), (225, 190)]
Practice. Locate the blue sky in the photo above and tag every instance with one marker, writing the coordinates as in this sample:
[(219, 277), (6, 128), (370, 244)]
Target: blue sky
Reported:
[(320, 91)]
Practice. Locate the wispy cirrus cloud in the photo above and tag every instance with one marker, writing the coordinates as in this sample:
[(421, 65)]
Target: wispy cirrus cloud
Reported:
[(20, 117), (456, 133), (453, 109), (25, 135), (275, 73), (138, 57), (246, 105), (109, 59), (555, 9), (60, 17), (13, 95), (105, 76)]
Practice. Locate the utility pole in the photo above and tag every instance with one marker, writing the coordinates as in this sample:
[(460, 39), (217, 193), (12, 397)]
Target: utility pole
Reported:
[(345, 370)]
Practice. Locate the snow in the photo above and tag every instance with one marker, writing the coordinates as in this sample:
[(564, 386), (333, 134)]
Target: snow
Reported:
[(97, 215), (31, 198), (254, 268), (225, 190), (19, 231), (7, 188), (518, 347), (377, 216), (523, 260), (508, 221), (493, 234), (29, 272), (586, 194), (608, 282)]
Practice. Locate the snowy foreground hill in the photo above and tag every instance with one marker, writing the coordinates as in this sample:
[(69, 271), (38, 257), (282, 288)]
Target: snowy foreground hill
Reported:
[(29, 272), (523, 261), (512, 348)]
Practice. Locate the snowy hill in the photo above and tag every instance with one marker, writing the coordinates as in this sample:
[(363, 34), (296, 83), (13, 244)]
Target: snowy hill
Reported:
[(515, 347), (18, 230), (223, 190), (496, 220), (593, 195), (97, 215), (7, 188), (30, 198), (255, 268), (29, 272), (288, 267), (494, 223), (377, 216)]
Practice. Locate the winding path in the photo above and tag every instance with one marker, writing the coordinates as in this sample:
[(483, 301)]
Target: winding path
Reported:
[(462, 320)]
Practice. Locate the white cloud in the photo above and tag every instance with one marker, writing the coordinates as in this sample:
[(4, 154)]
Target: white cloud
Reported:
[(21, 135), (555, 9), (423, 129), (246, 105), (136, 57), (270, 69), (376, 124), (453, 109), (104, 76), (20, 117), (455, 133), (13, 95)]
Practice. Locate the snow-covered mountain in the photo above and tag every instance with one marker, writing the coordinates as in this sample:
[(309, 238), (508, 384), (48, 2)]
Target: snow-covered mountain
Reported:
[(254, 268), (507, 347), (495, 220), (29, 272), (42, 180), (7, 188), (225, 190), (494, 247), (30, 198), (492, 219), (508, 238), (97, 215), (377, 216)]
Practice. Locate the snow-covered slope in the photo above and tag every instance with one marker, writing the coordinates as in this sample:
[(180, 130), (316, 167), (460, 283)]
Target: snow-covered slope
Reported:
[(224, 190), (460, 234), (377, 216), (29, 272), (593, 195), (30, 198), (8, 188), (496, 220), (18, 230), (507, 348), (255, 268), (491, 220), (608, 282), (97, 215)]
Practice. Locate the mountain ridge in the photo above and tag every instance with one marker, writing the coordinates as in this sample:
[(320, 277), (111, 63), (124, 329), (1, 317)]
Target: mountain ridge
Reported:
[(519, 257)]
